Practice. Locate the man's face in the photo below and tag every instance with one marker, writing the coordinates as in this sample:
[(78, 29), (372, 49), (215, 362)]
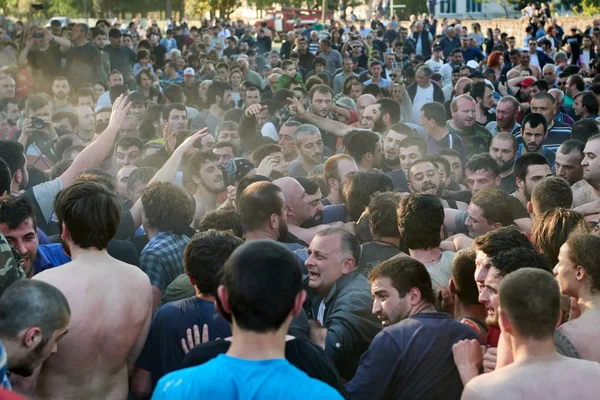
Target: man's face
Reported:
[(12, 113), (533, 137), (64, 124), (370, 115), (391, 146), (100, 40), (566, 272), (478, 180), (130, 128), (503, 152), (348, 65), (455, 167), (457, 59), (376, 71), (591, 162), (550, 76), (279, 163), (116, 41), (464, 116), (562, 84), (464, 42), (535, 175), (489, 297), (302, 46), (525, 58), (36, 356), (121, 179), (488, 99), (61, 89), (115, 79), (230, 136), (177, 121), (505, 115), (478, 225), (86, 119), (356, 91), (544, 107), (515, 59), (24, 240), (262, 118), (424, 179), (320, 104), (311, 148), (286, 141), (389, 307), (580, 111), (568, 166), (252, 97), (85, 101), (138, 110), (408, 155), (422, 79), (211, 178), (347, 169), (314, 206), (128, 156), (225, 154), (587, 42), (325, 263), (102, 120)]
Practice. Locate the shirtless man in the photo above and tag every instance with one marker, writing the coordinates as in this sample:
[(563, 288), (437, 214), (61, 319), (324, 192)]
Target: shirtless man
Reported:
[(111, 302), (577, 273), (208, 178), (538, 370), (588, 190)]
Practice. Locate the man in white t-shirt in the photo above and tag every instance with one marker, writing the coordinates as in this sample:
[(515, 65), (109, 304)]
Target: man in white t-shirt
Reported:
[(436, 61), (423, 94)]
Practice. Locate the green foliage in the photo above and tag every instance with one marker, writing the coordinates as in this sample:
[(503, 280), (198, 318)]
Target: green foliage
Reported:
[(587, 8)]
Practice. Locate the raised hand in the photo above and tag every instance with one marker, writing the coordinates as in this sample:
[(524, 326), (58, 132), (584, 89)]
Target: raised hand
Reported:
[(254, 109), (296, 107), (189, 142), (266, 166), (189, 342), (120, 109)]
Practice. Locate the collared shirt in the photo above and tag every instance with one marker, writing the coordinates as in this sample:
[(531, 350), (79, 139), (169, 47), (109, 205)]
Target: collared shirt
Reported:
[(162, 258), (49, 256), (383, 83)]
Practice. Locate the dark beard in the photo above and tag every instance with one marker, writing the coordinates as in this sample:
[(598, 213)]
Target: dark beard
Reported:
[(506, 166), (226, 106), (313, 221), (379, 126), (31, 361)]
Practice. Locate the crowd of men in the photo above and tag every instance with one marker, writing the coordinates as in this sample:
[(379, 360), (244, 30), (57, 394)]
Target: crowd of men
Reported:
[(374, 211)]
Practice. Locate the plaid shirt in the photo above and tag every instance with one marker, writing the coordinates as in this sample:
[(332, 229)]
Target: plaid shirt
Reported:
[(162, 258)]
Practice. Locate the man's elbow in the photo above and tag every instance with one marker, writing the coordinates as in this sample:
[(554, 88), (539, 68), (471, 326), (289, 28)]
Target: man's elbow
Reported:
[(141, 384)]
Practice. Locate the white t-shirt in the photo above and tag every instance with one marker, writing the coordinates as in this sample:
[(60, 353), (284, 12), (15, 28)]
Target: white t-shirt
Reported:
[(434, 65), (423, 96)]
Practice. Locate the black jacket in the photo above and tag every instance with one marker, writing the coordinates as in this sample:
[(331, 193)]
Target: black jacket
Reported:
[(438, 94)]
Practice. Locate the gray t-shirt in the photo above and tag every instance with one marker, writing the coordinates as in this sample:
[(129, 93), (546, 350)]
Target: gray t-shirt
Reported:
[(295, 170), (441, 273), (374, 253), (206, 120)]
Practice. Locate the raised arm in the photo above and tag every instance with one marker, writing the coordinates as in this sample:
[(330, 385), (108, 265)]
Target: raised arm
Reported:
[(93, 155), (168, 171), (329, 125)]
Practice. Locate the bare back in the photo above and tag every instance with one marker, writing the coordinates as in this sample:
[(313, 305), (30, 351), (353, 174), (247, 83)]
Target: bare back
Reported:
[(583, 333), (554, 377), (111, 310)]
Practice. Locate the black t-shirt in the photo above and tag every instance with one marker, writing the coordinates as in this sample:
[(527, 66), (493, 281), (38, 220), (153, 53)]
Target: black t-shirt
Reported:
[(180, 39), (159, 52), (373, 253), (48, 62), (508, 183), (299, 352)]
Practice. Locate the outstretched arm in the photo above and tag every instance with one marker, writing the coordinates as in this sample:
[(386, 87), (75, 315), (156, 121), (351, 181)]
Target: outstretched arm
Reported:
[(335, 127)]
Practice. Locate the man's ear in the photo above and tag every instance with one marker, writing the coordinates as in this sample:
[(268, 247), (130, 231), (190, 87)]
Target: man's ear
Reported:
[(530, 207)]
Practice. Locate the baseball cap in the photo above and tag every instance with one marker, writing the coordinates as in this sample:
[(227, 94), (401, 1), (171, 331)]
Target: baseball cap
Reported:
[(347, 103), (527, 82), (189, 72), (476, 74)]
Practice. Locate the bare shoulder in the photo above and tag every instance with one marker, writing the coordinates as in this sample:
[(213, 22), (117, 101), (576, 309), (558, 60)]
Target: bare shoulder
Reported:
[(56, 275), (479, 388), (133, 271)]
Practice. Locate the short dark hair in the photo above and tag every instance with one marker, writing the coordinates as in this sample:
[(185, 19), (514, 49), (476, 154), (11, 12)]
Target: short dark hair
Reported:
[(525, 161), (127, 142), (359, 189), (166, 112), (141, 174), (91, 213), (552, 192), (28, 303), (542, 85), (263, 151), (482, 162), (571, 145), (420, 220), (578, 81), (362, 142), (222, 220), (12, 153), (5, 178), (535, 314), (391, 107), (463, 270), (509, 261), (589, 101), (583, 251), (584, 129), (196, 162), (495, 206), (415, 141), (257, 203), (382, 213), (436, 159), (167, 207), (534, 120), (435, 111), (502, 239), (204, 258), (405, 273), (233, 147), (477, 90), (257, 273), (174, 93), (15, 210)]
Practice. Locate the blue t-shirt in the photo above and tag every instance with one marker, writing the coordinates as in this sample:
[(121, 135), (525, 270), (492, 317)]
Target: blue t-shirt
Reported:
[(412, 360), (162, 352), (227, 377)]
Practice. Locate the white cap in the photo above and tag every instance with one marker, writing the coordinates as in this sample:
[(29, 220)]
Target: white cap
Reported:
[(189, 72)]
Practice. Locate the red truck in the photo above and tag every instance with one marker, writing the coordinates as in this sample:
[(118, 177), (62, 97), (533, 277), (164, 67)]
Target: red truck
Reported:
[(284, 20)]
